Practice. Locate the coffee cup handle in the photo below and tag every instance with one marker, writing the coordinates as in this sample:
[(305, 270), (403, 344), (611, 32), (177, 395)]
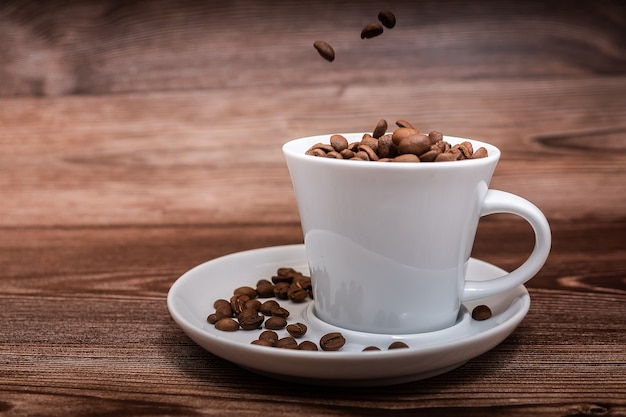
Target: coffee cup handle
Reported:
[(502, 202)]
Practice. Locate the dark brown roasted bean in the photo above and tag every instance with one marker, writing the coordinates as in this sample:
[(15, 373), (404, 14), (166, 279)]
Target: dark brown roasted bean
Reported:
[(387, 18), (275, 323), (286, 343), (332, 341), (380, 129), (297, 329), (269, 335), (398, 345), (267, 306), (325, 50), (481, 312), (307, 345), (227, 325), (404, 123), (338, 142), (371, 30)]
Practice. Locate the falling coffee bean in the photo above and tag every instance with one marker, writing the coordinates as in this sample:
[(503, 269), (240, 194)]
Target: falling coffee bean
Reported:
[(387, 18), (371, 30), (325, 50)]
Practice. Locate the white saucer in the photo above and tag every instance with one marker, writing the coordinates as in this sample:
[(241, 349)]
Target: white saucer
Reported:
[(190, 301)]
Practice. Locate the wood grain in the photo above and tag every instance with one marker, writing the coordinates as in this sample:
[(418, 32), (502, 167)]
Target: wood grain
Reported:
[(139, 139)]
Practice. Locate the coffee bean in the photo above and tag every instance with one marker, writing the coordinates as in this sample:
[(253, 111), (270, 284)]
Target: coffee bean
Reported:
[(369, 141), (371, 154), (297, 294), (227, 325), (332, 341), (404, 123), (445, 157), (238, 302), (290, 272), (481, 312), (253, 304), (297, 330), (249, 291), (213, 318), (281, 290), (380, 129), (247, 313), (307, 345), (269, 335), (275, 323), (466, 150), (325, 50), (334, 154), (362, 155), (339, 143), (221, 303), (262, 343), (251, 322), (280, 312), (408, 157), (401, 133), (414, 144), (435, 136), (286, 343), (264, 288), (398, 345), (371, 30), (316, 152), (480, 153), (303, 281), (267, 306), (386, 147), (347, 154), (387, 18), (429, 156), (371, 348)]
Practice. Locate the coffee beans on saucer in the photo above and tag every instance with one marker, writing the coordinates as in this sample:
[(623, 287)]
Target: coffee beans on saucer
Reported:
[(481, 312), (404, 144)]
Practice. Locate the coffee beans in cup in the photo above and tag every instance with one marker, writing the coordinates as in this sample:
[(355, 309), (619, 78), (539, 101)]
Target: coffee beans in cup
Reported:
[(404, 144)]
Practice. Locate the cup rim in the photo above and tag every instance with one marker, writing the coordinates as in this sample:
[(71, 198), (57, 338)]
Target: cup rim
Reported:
[(296, 148)]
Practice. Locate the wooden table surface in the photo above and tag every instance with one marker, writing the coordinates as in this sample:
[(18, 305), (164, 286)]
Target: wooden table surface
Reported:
[(139, 139)]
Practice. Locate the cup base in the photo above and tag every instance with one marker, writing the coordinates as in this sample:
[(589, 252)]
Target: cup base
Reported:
[(315, 320)]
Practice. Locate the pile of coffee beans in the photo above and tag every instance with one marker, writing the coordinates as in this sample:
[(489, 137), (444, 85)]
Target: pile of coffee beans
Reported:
[(405, 144), (245, 310), (370, 30)]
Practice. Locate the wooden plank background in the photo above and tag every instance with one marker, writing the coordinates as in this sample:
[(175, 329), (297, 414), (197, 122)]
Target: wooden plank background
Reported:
[(141, 138)]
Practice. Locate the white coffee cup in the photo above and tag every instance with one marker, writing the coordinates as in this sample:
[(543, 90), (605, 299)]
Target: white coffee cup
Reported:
[(388, 243)]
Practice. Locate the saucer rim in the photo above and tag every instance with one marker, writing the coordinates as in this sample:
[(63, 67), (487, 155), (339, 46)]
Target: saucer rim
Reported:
[(223, 346)]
